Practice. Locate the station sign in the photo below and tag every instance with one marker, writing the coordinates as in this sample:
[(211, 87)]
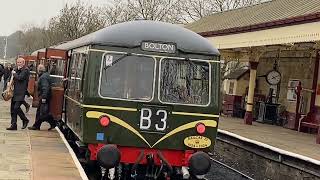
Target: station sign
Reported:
[(159, 47)]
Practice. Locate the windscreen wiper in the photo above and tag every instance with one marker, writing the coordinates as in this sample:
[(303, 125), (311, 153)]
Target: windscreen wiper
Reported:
[(116, 61)]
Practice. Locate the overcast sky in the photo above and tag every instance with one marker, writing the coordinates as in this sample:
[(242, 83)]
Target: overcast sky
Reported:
[(15, 14)]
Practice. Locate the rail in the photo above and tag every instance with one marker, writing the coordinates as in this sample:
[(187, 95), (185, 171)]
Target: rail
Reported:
[(233, 169)]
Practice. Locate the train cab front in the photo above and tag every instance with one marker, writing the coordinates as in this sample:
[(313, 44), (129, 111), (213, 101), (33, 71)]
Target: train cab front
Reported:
[(177, 151)]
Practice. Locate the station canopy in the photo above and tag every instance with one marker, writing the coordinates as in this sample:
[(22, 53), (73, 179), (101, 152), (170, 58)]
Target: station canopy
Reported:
[(268, 23)]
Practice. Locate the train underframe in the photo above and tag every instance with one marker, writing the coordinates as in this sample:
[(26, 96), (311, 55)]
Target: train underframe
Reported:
[(110, 162)]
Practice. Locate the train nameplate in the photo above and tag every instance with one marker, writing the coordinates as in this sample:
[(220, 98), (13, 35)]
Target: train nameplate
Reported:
[(159, 47), (197, 142), (153, 119)]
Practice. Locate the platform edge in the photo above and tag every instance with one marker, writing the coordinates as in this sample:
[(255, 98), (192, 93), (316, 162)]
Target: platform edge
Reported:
[(278, 150), (74, 157)]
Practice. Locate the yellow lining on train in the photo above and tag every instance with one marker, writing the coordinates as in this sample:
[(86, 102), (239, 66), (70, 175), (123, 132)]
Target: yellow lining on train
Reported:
[(208, 123), (134, 109), (73, 100), (194, 114), (97, 115), (110, 107), (101, 107)]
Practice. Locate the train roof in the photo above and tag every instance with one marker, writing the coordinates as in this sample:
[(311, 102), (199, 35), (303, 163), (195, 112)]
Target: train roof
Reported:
[(133, 33)]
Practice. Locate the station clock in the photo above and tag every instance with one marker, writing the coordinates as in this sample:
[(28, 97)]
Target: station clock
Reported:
[(273, 77)]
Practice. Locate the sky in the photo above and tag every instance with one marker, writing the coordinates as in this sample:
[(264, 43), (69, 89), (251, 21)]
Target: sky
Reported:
[(17, 14)]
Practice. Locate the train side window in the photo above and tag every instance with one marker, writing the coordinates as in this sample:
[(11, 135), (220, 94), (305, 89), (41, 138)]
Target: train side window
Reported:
[(79, 75), (72, 75)]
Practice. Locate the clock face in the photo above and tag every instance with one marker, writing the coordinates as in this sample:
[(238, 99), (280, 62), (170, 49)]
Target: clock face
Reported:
[(273, 77)]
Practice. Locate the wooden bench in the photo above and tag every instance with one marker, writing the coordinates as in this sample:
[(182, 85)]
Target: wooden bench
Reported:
[(310, 121)]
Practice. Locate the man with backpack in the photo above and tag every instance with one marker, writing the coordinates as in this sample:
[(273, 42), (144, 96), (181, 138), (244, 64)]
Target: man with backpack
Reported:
[(43, 110)]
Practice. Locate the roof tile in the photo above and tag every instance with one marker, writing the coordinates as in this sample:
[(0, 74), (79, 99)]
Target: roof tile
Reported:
[(255, 14)]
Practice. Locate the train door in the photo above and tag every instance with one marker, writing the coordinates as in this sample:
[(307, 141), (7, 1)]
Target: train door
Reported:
[(74, 93), (56, 65)]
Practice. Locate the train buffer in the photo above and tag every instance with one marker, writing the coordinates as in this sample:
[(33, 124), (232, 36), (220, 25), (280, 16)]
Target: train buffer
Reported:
[(35, 155)]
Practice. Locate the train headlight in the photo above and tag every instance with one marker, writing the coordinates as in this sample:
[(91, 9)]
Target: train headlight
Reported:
[(201, 128), (104, 121)]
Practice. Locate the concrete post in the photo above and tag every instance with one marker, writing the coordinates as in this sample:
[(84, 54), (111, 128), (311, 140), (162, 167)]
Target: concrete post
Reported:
[(252, 83)]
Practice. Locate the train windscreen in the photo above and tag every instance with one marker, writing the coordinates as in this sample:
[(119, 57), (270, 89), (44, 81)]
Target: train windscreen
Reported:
[(127, 77), (184, 82)]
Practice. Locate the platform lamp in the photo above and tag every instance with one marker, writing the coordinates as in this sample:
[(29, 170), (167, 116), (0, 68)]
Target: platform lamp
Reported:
[(5, 47)]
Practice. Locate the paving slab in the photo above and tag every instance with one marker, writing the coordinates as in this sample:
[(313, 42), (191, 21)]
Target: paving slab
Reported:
[(33, 155)]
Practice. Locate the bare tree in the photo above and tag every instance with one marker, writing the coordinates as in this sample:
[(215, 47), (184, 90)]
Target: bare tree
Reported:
[(118, 11), (73, 22), (79, 19), (174, 11), (32, 39), (158, 10), (94, 19)]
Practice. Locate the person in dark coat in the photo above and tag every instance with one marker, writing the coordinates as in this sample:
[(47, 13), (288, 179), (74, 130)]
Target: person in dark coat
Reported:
[(20, 79), (7, 77), (44, 90)]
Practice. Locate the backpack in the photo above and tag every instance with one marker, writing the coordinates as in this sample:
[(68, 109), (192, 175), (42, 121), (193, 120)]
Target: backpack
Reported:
[(8, 93)]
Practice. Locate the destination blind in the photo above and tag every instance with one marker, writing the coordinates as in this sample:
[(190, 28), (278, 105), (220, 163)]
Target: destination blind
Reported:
[(158, 47)]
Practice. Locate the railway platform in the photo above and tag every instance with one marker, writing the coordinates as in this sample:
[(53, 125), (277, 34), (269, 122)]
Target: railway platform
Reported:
[(274, 136), (34, 155)]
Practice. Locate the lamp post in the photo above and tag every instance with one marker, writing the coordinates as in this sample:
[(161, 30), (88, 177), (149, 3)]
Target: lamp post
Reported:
[(5, 47)]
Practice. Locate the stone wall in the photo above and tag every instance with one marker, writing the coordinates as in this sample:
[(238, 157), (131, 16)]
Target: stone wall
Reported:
[(242, 84), (262, 163), (291, 66)]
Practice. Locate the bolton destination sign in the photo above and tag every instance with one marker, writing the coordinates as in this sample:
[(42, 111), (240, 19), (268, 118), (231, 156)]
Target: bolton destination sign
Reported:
[(158, 47)]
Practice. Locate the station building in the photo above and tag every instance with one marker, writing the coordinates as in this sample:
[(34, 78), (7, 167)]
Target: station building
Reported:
[(279, 41)]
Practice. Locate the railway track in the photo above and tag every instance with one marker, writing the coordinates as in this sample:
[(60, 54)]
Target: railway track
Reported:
[(222, 171), (224, 174)]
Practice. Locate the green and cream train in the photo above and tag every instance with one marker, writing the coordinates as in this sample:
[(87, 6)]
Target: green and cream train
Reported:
[(142, 99)]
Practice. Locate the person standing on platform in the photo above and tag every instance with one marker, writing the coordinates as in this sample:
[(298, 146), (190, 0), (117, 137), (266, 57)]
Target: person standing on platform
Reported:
[(7, 76), (44, 90), (20, 82)]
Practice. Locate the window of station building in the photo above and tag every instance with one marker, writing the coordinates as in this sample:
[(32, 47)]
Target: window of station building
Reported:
[(231, 87), (128, 77), (184, 82)]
